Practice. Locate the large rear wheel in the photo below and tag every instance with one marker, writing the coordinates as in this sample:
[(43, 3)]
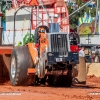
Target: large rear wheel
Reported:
[(20, 62)]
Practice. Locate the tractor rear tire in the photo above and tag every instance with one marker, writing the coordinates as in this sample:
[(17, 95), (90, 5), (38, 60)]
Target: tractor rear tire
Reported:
[(19, 64)]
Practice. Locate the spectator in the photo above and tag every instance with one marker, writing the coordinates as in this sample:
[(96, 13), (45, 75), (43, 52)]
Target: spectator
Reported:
[(81, 52)]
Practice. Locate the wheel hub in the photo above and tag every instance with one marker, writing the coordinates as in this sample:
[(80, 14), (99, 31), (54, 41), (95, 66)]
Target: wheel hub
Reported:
[(40, 68), (13, 67)]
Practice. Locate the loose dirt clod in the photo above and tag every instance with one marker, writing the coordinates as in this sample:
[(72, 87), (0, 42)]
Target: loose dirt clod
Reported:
[(47, 93)]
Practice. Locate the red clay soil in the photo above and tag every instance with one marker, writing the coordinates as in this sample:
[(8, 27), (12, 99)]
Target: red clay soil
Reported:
[(90, 91), (87, 92), (93, 78)]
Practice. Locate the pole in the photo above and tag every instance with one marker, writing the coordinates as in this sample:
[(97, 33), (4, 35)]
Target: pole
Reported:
[(96, 16), (31, 23), (15, 20), (15, 25), (38, 15)]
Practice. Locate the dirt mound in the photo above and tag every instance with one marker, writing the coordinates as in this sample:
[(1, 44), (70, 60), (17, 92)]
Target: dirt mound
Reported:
[(93, 78), (4, 68)]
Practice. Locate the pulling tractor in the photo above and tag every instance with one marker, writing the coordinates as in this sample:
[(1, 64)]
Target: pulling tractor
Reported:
[(54, 52)]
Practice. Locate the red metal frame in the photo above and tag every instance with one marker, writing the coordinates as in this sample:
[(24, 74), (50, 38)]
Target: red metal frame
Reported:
[(54, 10), (1, 15), (6, 49), (60, 9)]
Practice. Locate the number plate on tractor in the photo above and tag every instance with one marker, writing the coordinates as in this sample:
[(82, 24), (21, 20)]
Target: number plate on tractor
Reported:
[(58, 59)]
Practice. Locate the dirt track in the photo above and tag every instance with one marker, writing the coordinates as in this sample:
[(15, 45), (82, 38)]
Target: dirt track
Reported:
[(78, 92), (90, 91)]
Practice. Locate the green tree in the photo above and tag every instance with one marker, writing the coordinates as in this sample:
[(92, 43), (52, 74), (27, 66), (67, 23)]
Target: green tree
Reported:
[(75, 17)]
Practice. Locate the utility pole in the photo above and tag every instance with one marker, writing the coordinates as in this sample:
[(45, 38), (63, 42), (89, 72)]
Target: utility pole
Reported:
[(96, 18)]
